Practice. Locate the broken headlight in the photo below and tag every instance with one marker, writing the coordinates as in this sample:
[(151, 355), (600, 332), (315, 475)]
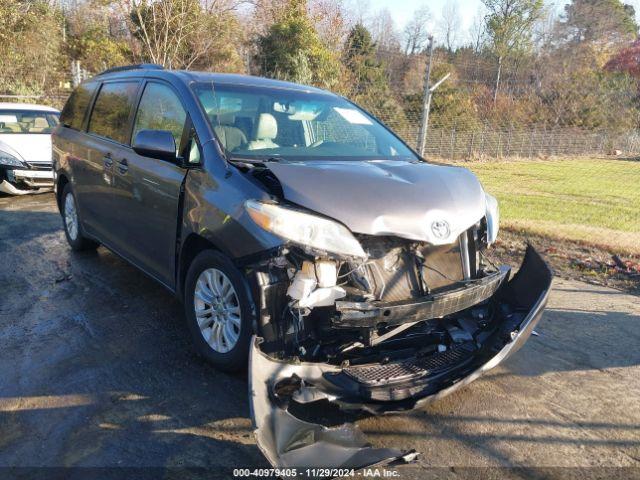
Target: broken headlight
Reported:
[(10, 160), (493, 218), (305, 229)]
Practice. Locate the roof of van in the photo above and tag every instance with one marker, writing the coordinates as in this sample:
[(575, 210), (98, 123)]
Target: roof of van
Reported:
[(27, 106), (189, 76), (249, 80)]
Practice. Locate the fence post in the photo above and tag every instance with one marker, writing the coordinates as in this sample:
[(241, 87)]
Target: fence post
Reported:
[(426, 102), (453, 139)]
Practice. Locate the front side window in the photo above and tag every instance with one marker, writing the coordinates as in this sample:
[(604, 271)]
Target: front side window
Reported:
[(27, 121), (261, 122), (161, 109), (74, 110), (110, 116)]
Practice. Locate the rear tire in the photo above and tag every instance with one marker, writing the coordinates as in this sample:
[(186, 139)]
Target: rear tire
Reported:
[(72, 225), (219, 311)]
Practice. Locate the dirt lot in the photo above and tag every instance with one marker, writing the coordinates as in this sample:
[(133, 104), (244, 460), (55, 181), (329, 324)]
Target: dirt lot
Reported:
[(96, 370)]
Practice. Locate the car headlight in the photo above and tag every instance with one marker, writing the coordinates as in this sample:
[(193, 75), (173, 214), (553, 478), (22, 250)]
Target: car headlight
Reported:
[(10, 160), (305, 229), (493, 218)]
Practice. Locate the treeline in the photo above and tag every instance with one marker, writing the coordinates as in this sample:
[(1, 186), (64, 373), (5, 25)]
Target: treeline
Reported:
[(519, 64)]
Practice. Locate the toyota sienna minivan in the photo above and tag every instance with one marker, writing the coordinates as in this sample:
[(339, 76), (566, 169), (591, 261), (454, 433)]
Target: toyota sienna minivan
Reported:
[(302, 236)]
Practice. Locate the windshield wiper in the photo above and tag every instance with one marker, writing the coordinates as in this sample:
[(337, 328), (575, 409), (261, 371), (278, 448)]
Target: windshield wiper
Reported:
[(253, 161)]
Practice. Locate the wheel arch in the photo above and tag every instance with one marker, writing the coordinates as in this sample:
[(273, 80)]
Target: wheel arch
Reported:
[(191, 247), (61, 182)]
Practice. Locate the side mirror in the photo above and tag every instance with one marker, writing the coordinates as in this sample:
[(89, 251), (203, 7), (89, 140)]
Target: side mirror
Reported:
[(158, 144)]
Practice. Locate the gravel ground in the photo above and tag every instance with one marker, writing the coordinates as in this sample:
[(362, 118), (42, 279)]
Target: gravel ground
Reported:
[(96, 370)]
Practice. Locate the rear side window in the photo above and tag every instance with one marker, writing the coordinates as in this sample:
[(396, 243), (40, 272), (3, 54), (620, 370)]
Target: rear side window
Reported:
[(74, 110), (110, 115)]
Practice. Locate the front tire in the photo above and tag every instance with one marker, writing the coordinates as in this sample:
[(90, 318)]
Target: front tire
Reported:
[(71, 220), (218, 311)]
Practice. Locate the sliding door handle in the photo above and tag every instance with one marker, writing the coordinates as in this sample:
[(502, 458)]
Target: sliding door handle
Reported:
[(123, 166)]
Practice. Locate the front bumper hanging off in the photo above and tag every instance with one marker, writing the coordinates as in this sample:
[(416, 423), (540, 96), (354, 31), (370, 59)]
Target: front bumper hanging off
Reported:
[(275, 385), (35, 180)]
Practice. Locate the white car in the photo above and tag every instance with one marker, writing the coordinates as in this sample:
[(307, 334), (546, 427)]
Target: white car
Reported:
[(25, 147)]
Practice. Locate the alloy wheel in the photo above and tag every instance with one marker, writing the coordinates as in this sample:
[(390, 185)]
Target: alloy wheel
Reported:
[(217, 310), (71, 217)]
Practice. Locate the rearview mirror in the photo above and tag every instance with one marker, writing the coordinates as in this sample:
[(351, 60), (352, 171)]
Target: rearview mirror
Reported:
[(158, 144)]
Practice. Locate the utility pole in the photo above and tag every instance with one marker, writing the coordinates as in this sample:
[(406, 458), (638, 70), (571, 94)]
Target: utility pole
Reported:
[(426, 102), (495, 91)]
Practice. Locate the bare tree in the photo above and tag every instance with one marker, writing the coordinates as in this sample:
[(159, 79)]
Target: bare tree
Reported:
[(177, 33), (510, 25), (416, 32), (358, 12), (383, 30), (478, 32), (330, 21), (449, 25)]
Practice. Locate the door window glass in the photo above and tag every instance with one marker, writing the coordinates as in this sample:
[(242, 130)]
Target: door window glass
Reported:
[(73, 113), (161, 109), (110, 116)]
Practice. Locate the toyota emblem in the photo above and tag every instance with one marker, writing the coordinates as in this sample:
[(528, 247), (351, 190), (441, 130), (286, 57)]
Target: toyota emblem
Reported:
[(440, 229)]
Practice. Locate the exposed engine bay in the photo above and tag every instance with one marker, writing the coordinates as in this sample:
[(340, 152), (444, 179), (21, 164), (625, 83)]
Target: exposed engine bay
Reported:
[(336, 311)]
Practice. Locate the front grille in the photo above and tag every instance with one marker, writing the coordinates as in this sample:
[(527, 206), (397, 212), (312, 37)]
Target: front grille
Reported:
[(46, 166), (374, 375)]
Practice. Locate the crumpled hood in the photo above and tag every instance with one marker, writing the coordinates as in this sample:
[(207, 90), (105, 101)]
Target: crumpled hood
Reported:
[(417, 201)]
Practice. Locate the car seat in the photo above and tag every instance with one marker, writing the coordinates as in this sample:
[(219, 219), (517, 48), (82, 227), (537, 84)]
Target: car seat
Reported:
[(40, 124), (229, 135), (266, 132)]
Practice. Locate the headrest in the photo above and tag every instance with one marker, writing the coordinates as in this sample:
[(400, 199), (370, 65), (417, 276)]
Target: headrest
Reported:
[(267, 127), (226, 119), (41, 122)]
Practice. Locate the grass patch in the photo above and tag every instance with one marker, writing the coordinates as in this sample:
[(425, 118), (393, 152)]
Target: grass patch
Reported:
[(594, 201)]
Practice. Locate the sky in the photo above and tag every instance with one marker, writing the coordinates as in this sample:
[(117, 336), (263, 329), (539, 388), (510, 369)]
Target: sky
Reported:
[(401, 10)]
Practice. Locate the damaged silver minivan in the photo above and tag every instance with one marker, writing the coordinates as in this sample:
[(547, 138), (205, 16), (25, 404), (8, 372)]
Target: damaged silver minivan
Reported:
[(300, 233)]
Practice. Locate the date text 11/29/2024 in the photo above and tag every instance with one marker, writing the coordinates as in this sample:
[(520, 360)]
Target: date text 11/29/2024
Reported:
[(371, 472)]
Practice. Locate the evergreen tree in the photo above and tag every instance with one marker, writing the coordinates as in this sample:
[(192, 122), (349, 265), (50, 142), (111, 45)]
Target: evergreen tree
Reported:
[(292, 50), (370, 86)]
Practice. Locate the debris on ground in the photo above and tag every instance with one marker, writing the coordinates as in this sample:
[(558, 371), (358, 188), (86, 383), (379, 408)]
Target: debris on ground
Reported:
[(573, 260)]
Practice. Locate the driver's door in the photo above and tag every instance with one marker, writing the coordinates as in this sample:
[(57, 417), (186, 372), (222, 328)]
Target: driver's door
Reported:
[(149, 189)]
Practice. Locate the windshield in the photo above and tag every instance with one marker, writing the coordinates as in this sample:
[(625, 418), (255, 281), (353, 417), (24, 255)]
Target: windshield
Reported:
[(260, 123), (27, 121)]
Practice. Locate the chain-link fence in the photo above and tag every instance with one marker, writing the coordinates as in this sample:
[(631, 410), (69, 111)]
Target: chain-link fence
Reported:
[(534, 141), (519, 109)]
